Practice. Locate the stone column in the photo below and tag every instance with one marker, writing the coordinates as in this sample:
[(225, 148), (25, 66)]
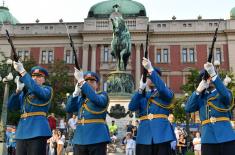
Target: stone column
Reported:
[(138, 65), (85, 57), (93, 58)]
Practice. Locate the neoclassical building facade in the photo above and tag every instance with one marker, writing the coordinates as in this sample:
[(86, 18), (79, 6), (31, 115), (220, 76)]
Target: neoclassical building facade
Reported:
[(174, 45)]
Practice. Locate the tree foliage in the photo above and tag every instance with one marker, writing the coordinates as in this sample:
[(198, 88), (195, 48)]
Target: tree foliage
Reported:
[(61, 84)]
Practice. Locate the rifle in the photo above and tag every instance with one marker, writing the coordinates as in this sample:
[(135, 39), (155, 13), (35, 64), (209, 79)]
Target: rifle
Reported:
[(73, 48), (206, 75), (15, 56), (146, 56)]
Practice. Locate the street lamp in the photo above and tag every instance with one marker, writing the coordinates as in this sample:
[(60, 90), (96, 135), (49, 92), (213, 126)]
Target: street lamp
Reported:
[(68, 115), (3, 121)]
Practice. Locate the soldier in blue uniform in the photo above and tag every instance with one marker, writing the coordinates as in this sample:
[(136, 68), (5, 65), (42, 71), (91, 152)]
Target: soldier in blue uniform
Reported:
[(33, 102), (92, 134), (155, 132), (213, 101)]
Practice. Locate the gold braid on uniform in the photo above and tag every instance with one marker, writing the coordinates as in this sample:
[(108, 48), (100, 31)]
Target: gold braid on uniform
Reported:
[(84, 105), (218, 108), (40, 105), (169, 106)]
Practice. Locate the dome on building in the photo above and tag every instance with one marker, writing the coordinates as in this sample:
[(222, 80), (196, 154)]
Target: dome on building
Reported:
[(232, 13), (6, 16), (127, 8)]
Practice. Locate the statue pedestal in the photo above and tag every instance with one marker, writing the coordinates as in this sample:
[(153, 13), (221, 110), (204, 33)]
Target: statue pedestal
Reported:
[(120, 83), (120, 89)]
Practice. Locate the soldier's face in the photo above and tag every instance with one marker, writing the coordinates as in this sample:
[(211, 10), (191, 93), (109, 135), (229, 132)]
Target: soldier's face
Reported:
[(92, 83), (39, 79), (150, 83)]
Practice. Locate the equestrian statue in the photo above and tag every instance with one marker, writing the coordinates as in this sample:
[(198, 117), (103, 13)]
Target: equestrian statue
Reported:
[(121, 43)]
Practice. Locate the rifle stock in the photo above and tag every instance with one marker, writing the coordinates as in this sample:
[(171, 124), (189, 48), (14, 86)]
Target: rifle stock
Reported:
[(146, 54), (145, 72), (15, 56), (206, 75), (73, 48)]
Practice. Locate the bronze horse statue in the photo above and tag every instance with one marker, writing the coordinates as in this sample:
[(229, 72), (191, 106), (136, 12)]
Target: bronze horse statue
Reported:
[(121, 43)]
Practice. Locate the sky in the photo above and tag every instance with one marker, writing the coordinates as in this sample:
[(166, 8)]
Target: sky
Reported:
[(50, 11)]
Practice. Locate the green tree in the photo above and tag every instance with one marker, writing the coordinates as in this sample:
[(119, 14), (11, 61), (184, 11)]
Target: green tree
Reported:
[(192, 81), (61, 84)]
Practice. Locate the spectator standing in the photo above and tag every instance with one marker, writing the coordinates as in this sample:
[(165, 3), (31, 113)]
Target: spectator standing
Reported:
[(197, 144), (129, 127), (11, 142), (181, 144), (60, 143), (53, 143), (72, 123), (52, 121), (130, 144), (62, 126), (113, 128)]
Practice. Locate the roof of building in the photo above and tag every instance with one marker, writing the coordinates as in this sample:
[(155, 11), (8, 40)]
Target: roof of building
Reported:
[(6, 16), (232, 13), (127, 8)]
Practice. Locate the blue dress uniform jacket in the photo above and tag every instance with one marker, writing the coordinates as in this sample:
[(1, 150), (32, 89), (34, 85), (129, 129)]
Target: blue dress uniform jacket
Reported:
[(37, 99), (90, 133), (221, 97), (157, 130)]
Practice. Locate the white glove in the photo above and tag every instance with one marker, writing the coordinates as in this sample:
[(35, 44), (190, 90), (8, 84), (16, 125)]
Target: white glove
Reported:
[(142, 84), (202, 85), (210, 69), (18, 66), (77, 90), (227, 80), (19, 85), (147, 64), (78, 75)]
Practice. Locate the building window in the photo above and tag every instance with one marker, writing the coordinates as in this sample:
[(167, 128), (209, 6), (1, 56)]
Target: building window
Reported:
[(191, 55), (188, 55), (23, 55), (162, 55), (47, 57), (105, 86), (184, 55), (165, 55), (50, 57), (218, 54), (159, 56), (106, 53), (69, 57)]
